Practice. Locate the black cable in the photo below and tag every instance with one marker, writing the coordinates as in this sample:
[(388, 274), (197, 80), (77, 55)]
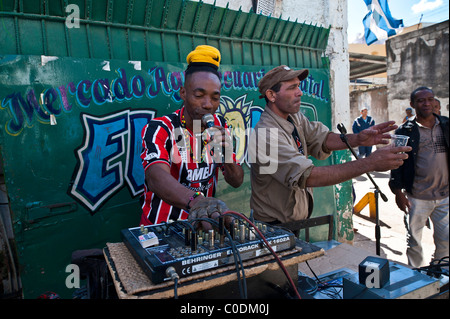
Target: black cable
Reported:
[(321, 286), (434, 269), (278, 260), (439, 262), (181, 222), (175, 277), (236, 253), (242, 284), (237, 258), (315, 276), (175, 288)]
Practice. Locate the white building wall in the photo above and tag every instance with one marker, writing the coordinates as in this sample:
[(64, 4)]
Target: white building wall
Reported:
[(331, 13)]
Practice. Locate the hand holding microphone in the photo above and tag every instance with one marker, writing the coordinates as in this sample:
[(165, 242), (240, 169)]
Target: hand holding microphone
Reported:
[(218, 139), (208, 121)]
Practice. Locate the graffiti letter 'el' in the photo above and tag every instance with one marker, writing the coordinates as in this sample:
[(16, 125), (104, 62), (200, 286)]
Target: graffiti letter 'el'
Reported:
[(111, 150), (100, 174)]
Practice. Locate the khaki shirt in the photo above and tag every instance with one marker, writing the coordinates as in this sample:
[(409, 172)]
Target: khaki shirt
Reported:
[(279, 171)]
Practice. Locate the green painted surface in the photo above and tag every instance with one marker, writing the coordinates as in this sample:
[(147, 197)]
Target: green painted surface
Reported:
[(344, 202)]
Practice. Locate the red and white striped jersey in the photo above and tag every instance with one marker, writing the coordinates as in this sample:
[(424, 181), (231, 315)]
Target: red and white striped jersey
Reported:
[(165, 140)]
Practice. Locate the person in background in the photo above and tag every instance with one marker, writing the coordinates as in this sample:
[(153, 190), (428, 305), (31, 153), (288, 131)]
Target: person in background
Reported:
[(361, 123), (437, 107), (421, 184), (409, 114)]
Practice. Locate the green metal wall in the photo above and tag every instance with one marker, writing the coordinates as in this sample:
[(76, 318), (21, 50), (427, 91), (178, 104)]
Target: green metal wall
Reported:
[(156, 30), (75, 184)]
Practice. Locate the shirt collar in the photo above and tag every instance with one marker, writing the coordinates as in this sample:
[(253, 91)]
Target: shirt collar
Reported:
[(436, 122), (286, 125)]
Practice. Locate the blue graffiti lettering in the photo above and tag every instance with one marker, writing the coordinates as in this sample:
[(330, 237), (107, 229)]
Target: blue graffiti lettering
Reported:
[(22, 111), (138, 86), (169, 84), (238, 80), (158, 76), (82, 88), (50, 96), (120, 87), (135, 172), (227, 80), (313, 88), (63, 94), (100, 172), (101, 91)]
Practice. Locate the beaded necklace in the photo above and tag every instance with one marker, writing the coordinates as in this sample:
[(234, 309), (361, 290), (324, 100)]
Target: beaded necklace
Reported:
[(187, 139)]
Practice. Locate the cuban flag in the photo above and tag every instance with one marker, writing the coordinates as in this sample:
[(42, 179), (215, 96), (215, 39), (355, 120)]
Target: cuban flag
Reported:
[(379, 23)]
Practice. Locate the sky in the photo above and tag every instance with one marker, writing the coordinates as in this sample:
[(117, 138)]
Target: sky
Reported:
[(411, 11)]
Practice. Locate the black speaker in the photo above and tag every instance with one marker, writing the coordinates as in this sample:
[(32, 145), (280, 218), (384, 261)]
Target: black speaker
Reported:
[(374, 272)]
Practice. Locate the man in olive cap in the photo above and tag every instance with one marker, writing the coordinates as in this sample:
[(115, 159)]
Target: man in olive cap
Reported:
[(282, 174)]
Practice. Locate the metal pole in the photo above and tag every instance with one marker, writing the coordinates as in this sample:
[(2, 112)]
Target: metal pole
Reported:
[(377, 224), (377, 191)]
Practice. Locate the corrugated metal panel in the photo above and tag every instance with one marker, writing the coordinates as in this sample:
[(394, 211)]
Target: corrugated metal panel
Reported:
[(164, 31)]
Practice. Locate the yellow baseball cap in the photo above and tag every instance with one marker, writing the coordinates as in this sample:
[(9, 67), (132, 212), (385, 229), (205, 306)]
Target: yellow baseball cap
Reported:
[(204, 54)]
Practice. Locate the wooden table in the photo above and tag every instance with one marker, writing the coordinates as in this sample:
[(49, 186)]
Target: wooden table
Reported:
[(131, 282)]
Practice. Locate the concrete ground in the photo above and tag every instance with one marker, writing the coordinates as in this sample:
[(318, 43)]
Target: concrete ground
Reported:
[(392, 227)]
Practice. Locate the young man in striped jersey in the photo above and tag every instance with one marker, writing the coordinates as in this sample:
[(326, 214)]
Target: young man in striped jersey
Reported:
[(181, 165)]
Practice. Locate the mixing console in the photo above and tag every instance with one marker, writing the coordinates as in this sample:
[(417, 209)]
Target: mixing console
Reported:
[(164, 249)]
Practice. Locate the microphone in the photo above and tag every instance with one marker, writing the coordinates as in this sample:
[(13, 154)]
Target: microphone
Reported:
[(208, 120), (342, 128)]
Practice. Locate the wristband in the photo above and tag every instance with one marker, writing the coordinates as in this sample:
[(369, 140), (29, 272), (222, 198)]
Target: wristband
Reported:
[(196, 194)]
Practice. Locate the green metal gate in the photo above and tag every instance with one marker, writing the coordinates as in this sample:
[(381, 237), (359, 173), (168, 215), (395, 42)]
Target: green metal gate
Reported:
[(75, 94)]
